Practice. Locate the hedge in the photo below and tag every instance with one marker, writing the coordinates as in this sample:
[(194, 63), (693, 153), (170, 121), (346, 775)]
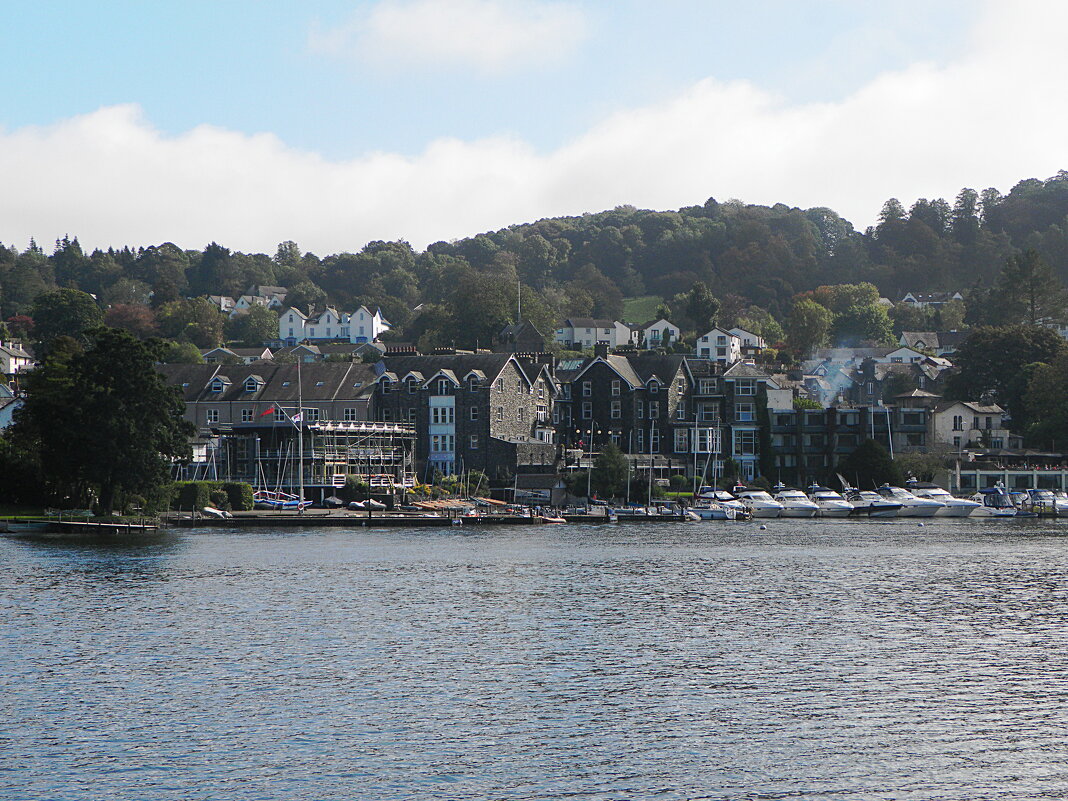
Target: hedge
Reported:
[(235, 496)]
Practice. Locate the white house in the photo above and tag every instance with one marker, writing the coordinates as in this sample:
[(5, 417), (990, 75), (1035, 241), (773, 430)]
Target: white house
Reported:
[(720, 345), (963, 423), (656, 334), (8, 404), (14, 359), (585, 332), (751, 343), (356, 327), (930, 299)]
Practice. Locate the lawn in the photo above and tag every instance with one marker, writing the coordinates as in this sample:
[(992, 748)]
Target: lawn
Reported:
[(641, 309)]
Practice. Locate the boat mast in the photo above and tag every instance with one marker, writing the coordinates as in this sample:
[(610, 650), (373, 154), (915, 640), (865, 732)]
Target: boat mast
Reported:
[(300, 438)]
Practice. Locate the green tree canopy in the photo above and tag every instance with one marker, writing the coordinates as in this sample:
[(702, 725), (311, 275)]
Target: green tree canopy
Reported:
[(258, 325), (64, 312), (196, 320), (870, 466), (809, 325), (1029, 292), (104, 422)]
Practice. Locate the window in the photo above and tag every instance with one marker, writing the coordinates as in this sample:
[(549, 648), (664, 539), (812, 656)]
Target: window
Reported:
[(413, 386), (472, 442), (349, 415), (279, 415), (743, 412), (654, 410), (680, 411), (640, 408), (707, 386), (654, 441), (615, 387), (521, 414), (387, 385), (975, 423), (617, 411), (311, 415), (721, 340), (443, 386), (640, 440), (387, 415), (708, 412), (956, 442), (587, 410), (411, 414), (995, 442), (251, 385), (654, 387), (587, 389), (500, 414), (442, 415), (565, 392), (473, 414), (744, 443), (958, 422), (681, 440), (216, 385), (989, 423), (745, 387), (211, 416), (246, 415)]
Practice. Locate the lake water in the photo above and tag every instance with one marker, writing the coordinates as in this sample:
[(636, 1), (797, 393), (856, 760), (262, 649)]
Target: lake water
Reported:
[(817, 659)]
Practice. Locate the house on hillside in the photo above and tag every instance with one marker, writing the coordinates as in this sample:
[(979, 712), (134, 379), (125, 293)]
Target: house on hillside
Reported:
[(924, 300), (521, 337), (655, 334), (357, 327), (719, 345), (578, 333), (14, 358), (967, 424), (751, 344)]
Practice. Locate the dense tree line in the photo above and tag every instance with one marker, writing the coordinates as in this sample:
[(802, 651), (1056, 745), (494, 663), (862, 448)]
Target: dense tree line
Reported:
[(718, 262)]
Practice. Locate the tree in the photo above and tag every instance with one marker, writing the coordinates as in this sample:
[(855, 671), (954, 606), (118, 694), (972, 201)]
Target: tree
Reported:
[(863, 323), (195, 320), (105, 422), (64, 312), (808, 326), (701, 307), (182, 353), (255, 327), (991, 360), (609, 478), (1029, 292), (138, 320), (870, 465)]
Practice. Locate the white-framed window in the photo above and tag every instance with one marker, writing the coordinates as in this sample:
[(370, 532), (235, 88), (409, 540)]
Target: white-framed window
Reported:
[(279, 415), (443, 386), (639, 440), (473, 414), (211, 416), (216, 385), (680, 411), (617, 410), (472, 442), (251, 385), (413, 386), (744, 443), (744, 412), (565, 392), (654, 410), (745, 386), (654, 388), (411, 414), (521, 414), (500, 414), (442, 415), (587, 410), (615, 387), (311, 414), (639, 407), (654, 440), (349, 415), (707, 386), (587, 389), (387, 385)]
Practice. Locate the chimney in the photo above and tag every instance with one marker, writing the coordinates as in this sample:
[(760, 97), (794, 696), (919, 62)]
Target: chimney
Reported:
[(600, 349)]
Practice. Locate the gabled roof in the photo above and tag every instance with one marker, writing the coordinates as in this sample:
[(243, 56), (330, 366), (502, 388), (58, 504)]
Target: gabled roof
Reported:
[(295, 310), (319, 381), (491, 364), (743, 370), (587, 322)]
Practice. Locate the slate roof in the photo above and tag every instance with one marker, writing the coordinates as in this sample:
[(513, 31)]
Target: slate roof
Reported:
[(587, 322), (491, 364), (318, 381)]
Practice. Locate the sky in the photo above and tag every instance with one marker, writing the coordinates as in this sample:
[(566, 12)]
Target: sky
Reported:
[(250, 122)]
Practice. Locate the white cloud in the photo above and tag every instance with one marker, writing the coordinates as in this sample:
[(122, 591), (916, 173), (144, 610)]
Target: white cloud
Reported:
[(989, 119), (490, 35)]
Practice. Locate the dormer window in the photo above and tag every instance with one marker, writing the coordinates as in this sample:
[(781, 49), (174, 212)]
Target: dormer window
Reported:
[(251, 385), (413, 386), (216, 385), (443, 386), (387, 385)]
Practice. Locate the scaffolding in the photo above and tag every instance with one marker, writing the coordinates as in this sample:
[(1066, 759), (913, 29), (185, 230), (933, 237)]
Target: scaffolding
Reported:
[(381, 455)]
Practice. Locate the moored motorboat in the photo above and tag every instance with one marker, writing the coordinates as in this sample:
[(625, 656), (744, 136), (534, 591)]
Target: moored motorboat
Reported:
[(993, 502), (911, 505), (721, 497), (1040, 501), (828, 502), (867, 503), (794, 502), (758, 502), (952, 507)]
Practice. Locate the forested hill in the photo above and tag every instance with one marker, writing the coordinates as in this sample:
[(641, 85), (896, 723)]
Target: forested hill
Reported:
[(753, 255)]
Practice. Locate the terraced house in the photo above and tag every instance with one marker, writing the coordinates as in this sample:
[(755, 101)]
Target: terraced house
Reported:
[(484, 411)]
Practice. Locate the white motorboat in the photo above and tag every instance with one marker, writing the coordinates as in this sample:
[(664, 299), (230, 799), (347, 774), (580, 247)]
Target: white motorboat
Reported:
[(911, 506), (1042, 502), (714, 510), (994, 502), (758, 502), (828, 502), (952, 507), (721, 497), (1062, 502), (871, 504), (794, 502)]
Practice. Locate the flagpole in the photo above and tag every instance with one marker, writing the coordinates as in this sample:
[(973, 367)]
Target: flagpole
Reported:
[(300, 439)]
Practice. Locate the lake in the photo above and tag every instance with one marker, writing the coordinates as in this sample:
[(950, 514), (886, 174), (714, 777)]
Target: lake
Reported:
[(817, 659)]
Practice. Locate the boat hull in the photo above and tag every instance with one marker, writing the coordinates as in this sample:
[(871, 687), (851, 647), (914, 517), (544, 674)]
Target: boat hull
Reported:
[(919, 510), (954, 510)]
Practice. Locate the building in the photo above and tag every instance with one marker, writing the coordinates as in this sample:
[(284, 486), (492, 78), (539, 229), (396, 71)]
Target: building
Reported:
[(579, 333), (925, 300), (14, 358), (719, 345), (235, 355), (967, 425), (655, 334), (751, 344), (331, 325), (521, 337), (474, 411)]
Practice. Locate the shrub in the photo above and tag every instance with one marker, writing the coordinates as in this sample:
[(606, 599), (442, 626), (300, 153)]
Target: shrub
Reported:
[(239, 496)]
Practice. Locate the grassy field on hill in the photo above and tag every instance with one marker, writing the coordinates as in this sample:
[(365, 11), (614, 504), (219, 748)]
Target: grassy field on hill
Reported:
[(641, 309)]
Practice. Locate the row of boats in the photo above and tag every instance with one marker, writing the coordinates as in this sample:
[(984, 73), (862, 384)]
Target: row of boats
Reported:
[(915, 499)]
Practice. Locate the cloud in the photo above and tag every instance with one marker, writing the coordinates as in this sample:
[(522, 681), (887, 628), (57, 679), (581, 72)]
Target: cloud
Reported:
[(988, 119), (492, 36)]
